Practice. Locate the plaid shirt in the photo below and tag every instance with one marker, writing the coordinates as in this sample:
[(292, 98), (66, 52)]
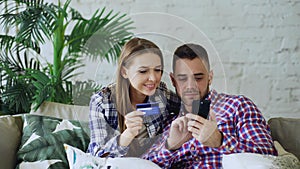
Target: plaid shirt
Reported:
[(244, 130), (103, 120)]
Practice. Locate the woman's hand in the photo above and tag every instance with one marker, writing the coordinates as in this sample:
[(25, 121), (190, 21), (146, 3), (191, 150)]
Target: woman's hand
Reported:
[(133, 122)]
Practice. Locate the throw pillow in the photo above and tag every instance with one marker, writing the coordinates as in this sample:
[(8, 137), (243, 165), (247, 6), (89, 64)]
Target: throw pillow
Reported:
[(78, 159), (252, 160), (43, 139), (64, 111), (247, 161), (9, 142)]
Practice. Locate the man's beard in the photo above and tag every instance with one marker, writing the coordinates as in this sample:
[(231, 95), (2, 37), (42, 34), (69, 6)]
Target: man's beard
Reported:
[(198, 95)]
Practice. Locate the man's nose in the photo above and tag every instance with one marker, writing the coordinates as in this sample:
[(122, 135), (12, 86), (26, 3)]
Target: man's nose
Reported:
[(191, 83)]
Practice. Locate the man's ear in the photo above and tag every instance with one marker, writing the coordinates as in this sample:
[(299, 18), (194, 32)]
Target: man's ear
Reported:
[(124, 72), (210, 77), (172, 79)]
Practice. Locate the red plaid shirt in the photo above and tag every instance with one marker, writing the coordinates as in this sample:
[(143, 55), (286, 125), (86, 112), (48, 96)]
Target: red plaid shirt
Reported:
[(244, 130)]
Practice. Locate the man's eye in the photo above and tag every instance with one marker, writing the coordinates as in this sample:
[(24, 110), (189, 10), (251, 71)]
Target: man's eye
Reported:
[(158, 70), (142, 71), (182, 79), (198, 78)]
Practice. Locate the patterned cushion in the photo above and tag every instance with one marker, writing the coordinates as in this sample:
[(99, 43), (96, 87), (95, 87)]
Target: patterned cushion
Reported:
[(78, 159), (42, 144)]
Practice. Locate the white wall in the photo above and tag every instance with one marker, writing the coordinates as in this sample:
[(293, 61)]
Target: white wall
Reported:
[(254, 45)]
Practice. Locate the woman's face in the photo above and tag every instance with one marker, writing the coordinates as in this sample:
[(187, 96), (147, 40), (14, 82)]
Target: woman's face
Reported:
[(144, 73)]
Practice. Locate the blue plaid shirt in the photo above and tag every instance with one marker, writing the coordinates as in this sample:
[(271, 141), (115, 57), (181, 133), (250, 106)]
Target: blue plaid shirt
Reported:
[(244, 130), (103, 120)]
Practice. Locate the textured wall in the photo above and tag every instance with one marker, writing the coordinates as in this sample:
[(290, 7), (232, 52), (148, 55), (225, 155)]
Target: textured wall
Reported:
[(254, 45)]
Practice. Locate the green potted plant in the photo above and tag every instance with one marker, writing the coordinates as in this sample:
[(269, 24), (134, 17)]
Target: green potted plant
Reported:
[(24, 79)]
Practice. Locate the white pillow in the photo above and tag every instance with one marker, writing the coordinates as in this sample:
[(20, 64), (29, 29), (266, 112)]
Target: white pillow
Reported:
[(79, 159), (248, 161)]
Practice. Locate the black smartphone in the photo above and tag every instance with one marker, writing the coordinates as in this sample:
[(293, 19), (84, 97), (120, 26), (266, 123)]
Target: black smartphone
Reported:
[(201, 107)]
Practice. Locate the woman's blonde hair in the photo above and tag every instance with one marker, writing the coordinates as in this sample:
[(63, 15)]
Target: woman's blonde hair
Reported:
[(132, 48)]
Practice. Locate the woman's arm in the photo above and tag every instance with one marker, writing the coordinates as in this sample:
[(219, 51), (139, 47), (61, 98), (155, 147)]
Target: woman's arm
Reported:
[(103, 126)]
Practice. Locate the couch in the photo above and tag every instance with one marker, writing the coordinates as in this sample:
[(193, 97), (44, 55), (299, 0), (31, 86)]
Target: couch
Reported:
[(18, 130)]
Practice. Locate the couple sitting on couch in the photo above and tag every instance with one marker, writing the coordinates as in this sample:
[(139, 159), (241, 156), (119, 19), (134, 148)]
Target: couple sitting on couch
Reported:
[(177, 136)]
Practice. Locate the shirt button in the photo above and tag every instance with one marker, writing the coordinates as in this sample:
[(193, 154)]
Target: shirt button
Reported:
[(192, 148)]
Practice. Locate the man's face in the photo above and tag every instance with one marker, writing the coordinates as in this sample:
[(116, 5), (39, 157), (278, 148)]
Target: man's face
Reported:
[(191, 80)]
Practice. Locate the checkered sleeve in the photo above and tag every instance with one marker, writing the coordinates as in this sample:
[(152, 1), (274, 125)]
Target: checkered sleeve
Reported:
[(159, 154), (252, 133), (104, 138)]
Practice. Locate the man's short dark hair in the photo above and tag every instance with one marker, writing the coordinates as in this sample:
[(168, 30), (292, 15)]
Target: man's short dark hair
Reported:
[(190, 51)]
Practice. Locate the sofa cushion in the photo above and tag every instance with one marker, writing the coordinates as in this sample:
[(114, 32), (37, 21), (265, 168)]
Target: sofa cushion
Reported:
[(63, 111), (285, 131), (9, 142), (43, 139)]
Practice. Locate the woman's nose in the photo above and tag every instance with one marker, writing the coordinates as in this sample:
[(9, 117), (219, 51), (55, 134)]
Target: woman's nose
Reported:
[(153, 76)]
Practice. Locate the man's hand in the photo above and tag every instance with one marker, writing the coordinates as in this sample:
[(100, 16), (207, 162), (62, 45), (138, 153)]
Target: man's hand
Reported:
[(205, 131), (178, 133), (133, 122)]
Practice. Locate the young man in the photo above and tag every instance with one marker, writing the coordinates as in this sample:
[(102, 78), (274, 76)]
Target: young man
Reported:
[(234, 125)]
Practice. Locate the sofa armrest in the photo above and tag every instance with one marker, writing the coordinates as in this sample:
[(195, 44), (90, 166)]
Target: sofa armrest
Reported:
[(285, 131), (10, 132)]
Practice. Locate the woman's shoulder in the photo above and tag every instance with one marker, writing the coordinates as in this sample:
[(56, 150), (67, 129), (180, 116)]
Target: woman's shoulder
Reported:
[(105, 91), (163, 86)]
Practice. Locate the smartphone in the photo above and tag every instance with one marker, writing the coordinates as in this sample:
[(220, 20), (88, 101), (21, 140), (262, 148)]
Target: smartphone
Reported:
[(148, 108), (201, 107)]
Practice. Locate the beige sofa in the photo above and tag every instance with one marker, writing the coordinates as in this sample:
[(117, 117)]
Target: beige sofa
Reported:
[(284, 130)]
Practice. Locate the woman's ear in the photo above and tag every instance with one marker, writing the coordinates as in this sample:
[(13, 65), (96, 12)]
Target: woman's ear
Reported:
[(124, 72), (210, 77)]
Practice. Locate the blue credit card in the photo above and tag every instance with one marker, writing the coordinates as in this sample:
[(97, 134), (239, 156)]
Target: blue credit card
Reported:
[(148, 108)]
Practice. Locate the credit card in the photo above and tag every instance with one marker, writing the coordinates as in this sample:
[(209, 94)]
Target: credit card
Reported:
[(148, 108)]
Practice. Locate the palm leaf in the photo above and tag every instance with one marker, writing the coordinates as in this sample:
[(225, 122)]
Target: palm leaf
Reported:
[(35, 19), (93, 38), (82, 92), (17, 90)]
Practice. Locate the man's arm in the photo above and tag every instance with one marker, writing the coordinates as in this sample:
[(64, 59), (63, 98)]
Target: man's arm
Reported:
[(249, 133), (164, 152)]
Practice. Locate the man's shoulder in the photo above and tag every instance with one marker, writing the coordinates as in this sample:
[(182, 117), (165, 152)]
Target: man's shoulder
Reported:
[(233, 98)]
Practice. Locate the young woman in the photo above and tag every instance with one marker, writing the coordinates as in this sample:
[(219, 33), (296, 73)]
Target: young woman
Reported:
[(117, 128)]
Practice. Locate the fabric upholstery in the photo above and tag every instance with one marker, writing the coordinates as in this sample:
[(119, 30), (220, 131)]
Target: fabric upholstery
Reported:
[(286, 132), (9, 142)]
